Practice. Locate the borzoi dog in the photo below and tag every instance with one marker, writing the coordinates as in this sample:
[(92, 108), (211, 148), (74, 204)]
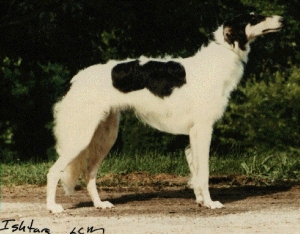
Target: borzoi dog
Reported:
[(182, 96)]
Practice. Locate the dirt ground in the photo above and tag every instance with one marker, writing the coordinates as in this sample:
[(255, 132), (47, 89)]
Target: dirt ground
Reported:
[(156, 204)]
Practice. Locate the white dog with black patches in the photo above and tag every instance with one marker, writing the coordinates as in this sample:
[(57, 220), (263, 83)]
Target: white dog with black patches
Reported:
[(183, 96)]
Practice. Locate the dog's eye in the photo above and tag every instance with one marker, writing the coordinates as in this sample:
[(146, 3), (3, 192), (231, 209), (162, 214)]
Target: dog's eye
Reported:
[(253, 21), (257, 19)]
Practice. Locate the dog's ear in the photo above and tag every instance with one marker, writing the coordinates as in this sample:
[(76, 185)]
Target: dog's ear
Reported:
[(228, 37)]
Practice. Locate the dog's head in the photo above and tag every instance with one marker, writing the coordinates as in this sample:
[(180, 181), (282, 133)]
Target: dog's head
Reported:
[(245, 28)]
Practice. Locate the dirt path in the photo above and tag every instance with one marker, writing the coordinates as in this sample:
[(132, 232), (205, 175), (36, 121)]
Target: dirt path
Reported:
[(154, 209)]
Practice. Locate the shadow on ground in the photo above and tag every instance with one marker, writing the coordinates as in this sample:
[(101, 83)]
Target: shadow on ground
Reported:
[(226, 195)]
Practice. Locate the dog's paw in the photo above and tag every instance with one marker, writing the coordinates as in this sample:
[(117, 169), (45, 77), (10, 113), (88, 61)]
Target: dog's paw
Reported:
[(104, 205), (211, 204), (55, 208)]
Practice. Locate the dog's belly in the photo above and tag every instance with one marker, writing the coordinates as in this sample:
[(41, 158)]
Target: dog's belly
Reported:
[(170, 122)]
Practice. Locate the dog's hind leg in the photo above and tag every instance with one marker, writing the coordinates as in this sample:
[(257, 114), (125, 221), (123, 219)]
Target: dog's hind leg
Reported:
[(76, 120), (72, 172), (53, 177), (198, 159), (100, 145)]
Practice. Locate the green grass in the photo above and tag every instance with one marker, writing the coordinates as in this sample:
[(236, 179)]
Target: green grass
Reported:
[(261, 167), (275, 167), (152, 163), (24, 173)]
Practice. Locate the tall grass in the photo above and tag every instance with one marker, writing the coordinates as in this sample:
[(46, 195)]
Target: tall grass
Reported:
[(267, 167), (278, 166)]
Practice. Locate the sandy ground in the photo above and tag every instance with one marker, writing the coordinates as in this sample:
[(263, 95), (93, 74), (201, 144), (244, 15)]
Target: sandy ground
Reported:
[(153, 208)]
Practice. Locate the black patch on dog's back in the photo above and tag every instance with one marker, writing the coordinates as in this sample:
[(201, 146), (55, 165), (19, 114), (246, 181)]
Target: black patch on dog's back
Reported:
[(158, 77), (126, 77)]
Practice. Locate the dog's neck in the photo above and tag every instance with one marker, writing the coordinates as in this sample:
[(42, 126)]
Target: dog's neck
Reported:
[(219, 39)]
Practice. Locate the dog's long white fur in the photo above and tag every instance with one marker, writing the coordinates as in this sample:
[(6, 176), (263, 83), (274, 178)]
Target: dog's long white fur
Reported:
[(86, 119)]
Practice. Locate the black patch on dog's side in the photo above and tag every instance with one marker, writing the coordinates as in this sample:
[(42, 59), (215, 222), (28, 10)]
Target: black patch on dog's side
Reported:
[(126, 77), (158, 77)]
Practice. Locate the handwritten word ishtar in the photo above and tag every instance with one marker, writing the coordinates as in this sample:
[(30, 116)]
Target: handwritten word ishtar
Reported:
[(14, 226)]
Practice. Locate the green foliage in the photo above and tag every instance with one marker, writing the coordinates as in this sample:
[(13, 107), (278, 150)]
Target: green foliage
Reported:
[(28, 92), (267, 115), (44, 43)]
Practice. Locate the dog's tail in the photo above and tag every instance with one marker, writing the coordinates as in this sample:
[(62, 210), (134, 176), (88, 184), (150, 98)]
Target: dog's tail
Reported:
[(72, 173)]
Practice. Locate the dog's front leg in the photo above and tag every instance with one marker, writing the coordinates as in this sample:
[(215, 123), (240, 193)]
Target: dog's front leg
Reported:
[(198, 159)]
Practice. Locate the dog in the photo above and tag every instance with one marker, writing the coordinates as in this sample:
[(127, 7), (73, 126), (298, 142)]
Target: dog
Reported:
[(178, 96)]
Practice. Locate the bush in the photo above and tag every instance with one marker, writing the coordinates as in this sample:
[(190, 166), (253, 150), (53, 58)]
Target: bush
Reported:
[(264, 114), (27, 94)]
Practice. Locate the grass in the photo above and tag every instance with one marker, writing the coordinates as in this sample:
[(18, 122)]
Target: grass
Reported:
[(276, 167), (264, 168)]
